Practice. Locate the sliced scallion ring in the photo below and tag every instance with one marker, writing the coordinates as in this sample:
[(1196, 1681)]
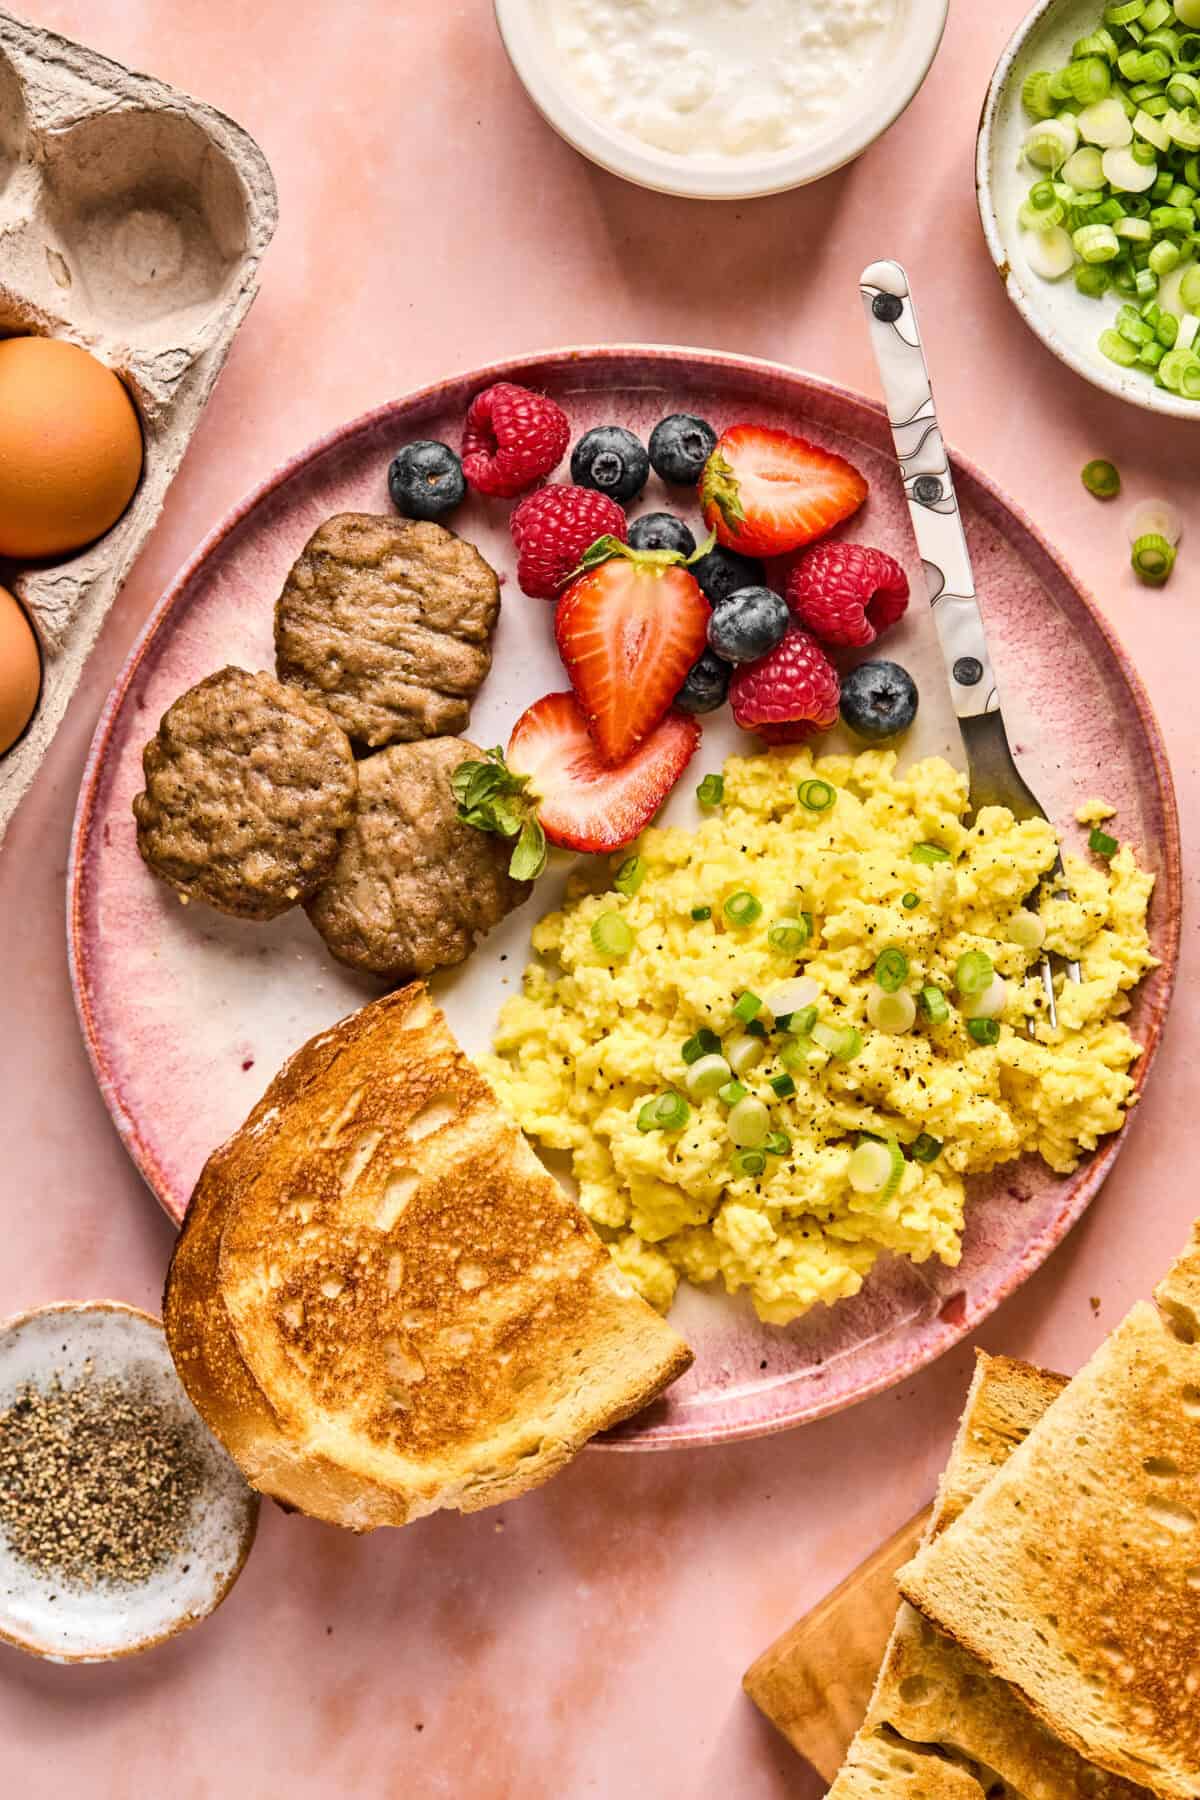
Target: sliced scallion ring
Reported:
[(749, 1162), (1157, 518), (630, 875), (973, 972), (928, 853), (704, 1043), (778, 1143), (707, 1075), (1101, 843), (1103, 479), (934, 1005), (876, 1169), (732, 1092), (745, 1052), (743, 908), (666, 1112), (611, 935), (895, 1013), (711, 790), (749, 1123), (816, 796), (891, 969), (984, 1031), (925, 1149), (790, 934), (843, 1042), (1153, 558)]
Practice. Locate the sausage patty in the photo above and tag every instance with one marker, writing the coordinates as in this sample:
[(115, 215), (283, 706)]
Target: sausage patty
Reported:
[(388, 623), (248, 788), (413, 887)]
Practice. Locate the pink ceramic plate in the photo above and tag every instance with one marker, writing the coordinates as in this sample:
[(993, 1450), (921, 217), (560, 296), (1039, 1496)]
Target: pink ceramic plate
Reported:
[(187, 1014)]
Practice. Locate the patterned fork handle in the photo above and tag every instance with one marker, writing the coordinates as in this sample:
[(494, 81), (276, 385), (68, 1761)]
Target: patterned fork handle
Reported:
[(929, 486)]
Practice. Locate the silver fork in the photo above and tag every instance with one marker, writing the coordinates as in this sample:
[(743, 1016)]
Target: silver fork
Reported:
[(994, 777)]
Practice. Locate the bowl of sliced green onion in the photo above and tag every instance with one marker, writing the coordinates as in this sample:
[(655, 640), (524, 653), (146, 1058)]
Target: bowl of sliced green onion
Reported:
[(1088, 173)]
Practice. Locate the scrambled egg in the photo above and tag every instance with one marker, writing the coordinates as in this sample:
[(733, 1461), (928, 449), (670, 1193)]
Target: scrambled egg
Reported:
[(595, 1035)]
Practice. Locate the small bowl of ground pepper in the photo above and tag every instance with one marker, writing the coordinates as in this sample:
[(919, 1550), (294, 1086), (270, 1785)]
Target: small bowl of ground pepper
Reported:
[(122, 1520)]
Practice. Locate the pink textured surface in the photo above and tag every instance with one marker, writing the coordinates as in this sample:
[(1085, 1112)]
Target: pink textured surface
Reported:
[(186, 1014), (593, 1644)]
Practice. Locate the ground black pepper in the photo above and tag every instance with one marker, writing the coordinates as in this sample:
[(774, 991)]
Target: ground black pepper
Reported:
[(97, 1480)]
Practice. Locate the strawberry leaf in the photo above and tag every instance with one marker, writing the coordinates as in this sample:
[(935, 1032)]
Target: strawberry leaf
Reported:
[(492, 797), (529, 856), (719, 488)]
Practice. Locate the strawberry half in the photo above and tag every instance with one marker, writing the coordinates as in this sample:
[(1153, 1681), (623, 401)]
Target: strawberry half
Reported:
[(584, 803), (766, 492), (628, 630)]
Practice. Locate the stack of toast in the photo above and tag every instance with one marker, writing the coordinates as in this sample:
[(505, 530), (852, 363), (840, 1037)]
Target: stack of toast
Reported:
[(383, 1304), (1047, 1646)]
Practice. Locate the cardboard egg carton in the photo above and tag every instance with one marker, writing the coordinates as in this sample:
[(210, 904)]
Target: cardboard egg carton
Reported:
[(132, 221)]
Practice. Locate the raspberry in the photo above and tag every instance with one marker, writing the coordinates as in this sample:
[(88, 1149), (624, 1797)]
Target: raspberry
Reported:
[(847, 593), (788, 694), (552, 528), (512, 438)]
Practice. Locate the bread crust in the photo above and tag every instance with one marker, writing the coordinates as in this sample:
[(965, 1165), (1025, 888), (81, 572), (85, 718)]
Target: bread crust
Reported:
[(383, 1304)]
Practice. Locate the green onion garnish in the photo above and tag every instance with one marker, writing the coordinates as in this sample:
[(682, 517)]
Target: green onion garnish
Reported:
[(666, 1112), (795, 1054), (705, 1043), (708, 1075), (701, 912), (732, 1092), (876, 1168), (778, 1144), (800, 1023), (1102, 479), (891, 970), (630, 875), (934, 1005), (843, 1042), (973, 972), (984, 1031), (790, 934), (1101, 843), (1153, 557), (928, 853), (747, 1007), (749, 1162), (784, 1086), (749, 1123), (711, 791), (742, 908), (909, 901), (756, 1028), (816, 796), (611, 935), (925, 1149)]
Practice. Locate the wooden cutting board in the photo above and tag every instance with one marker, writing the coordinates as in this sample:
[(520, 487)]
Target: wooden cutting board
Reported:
[(815, 1681)]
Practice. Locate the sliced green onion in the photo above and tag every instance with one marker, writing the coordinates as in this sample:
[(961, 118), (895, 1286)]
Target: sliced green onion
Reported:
[(843, 1042), (1036, 96), (749, 1162), (894, 1013), (1027, 930), (1096, 243), (789, 934), (705, 1043), (707, 1075), (1154, 516), (1153, 558), (1102, 843), (800, 1023), (711, 791), (984, 1031), (891, 970), (1118, 349), (1089, 79), (778, 1143), (666, 1112), (630, 875), (928, 853), (1092, 279), (745, 1052), (747, 1007), (700, 913), (789, 996), (743, 908), (934, 1005), (749, 1123), (783, 1085), (732, 1092), (757, 1029), (816, 796), (876, 1169), (989, 1004), (973, 972), (611, 935), (925, 1149), (910, 901), (1102, 479)]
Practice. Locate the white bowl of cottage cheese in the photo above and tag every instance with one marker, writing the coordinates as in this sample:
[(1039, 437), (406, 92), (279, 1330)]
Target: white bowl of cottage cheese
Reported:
[(721, 99)]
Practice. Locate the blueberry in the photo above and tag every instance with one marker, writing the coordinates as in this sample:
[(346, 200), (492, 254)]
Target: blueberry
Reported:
[(722, 572), (611, 460), (748, 624), (680, 445), (426, 480), (661, 531), (879, 699), (706, 686)]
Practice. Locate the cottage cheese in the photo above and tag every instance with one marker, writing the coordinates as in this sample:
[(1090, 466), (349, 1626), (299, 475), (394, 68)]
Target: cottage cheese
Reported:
[(719, 78)]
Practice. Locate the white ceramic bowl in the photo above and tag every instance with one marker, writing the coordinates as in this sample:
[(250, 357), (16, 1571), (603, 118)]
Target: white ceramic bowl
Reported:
[(1067, 322), (916, 35), (41, 1615)]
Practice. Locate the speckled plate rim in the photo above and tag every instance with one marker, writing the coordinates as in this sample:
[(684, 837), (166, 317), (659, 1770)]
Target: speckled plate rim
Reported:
[(806, 1406), (1094, 368), (71, 1309)]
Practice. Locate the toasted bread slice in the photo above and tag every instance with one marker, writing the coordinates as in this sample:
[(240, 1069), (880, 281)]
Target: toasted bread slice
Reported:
[(1178, 1293), (383, 1304), (880, 1767), (1075, 1576)]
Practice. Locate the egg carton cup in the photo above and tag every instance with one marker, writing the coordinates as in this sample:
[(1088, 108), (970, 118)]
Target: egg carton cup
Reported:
[(132, 221)]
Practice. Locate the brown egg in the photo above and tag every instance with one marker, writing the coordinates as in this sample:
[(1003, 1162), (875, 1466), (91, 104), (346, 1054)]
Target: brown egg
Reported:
[(70, 447), (20, 671)]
